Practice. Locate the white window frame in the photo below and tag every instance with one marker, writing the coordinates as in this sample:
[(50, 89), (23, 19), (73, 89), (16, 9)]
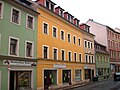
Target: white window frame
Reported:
[(86, 61), (91, 47), (78, 41), (33, 21), (19, 16), (53, 52), (79, 57), (68, 55), (63, 36), (88, 45), (47, 28), (2, 10), (56, 32), (43, 51), (75, 39), (70, 38), (76, 56), (64, 54), (17, 51), (32, 48)]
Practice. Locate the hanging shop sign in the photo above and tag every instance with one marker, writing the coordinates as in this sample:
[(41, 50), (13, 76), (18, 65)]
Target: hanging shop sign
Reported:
[(20, 63), (59, 66)]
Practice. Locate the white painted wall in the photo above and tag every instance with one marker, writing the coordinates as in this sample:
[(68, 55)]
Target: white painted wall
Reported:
[(99, 31)]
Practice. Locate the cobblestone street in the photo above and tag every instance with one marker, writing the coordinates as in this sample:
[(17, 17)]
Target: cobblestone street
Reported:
[(104, 85)]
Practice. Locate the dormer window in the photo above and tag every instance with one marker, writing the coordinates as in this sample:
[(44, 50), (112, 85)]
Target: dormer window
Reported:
[(61, 13), (52, 7), (47, 4)]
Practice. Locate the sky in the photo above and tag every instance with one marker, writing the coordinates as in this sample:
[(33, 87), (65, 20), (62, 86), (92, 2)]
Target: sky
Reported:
[(102, 11)]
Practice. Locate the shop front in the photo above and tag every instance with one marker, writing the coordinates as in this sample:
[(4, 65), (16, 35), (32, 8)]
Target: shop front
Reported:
[(18, 75), (66, 76), (78, 73)]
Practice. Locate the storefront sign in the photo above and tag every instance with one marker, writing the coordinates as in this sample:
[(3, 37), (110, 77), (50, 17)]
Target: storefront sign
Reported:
[(20, 63), (86, 67), (59, 66)]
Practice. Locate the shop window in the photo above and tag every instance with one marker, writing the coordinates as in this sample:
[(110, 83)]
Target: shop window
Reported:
[(30, 22), (62, 35), (20, 80), (55, 32), (45, 28), (55, 53), (45, 52), (29, 49), (77, 75), (1, 9), (14, 46), (69, 38), (15, 16), (69, 56), (66, 75)]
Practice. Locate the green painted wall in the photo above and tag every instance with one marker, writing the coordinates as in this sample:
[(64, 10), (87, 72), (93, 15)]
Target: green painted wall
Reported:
[(19, 31)]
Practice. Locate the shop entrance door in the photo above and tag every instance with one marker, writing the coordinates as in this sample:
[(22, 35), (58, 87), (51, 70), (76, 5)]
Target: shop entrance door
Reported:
[(88, 74), (20, 80), (66, 75), (50, 78)]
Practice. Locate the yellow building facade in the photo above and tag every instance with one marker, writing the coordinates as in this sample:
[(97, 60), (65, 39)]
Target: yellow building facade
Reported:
[(61, 56)]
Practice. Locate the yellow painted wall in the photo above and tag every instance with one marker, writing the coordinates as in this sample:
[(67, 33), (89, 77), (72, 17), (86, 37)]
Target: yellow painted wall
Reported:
[(44, 39)]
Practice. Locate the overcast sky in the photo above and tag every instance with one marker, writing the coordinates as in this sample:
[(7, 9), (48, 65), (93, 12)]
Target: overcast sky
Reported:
[(102, 11)]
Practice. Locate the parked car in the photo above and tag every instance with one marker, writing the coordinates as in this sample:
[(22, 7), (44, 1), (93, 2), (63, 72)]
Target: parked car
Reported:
[(117, 76)]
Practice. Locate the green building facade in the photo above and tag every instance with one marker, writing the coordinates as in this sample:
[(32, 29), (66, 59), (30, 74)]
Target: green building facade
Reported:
[(18, 37), (102, 61)]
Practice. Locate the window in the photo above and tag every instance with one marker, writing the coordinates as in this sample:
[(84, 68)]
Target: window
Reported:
[(1, 9), (89, 59), (45, 52), (45, 28), (30, 22), (69, 56), (55, 53), (54, 32), (85, 43), (63, 55), (80, 57), (91, 46), (61, 13), (74, 39), (14, 42), (62, 35), (29, 49), (79, 42), (86, 58), (92, 59), (88, 44), (75, 57), (15, 16), (52, 7), (69, 38), (47, 4)]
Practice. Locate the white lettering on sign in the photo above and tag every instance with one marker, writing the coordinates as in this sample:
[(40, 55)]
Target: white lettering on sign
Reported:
[(59, 66), (20, 63)]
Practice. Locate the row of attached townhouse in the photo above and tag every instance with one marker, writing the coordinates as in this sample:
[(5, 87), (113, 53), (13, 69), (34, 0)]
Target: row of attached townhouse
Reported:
[(109, 38), (42, 47)]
